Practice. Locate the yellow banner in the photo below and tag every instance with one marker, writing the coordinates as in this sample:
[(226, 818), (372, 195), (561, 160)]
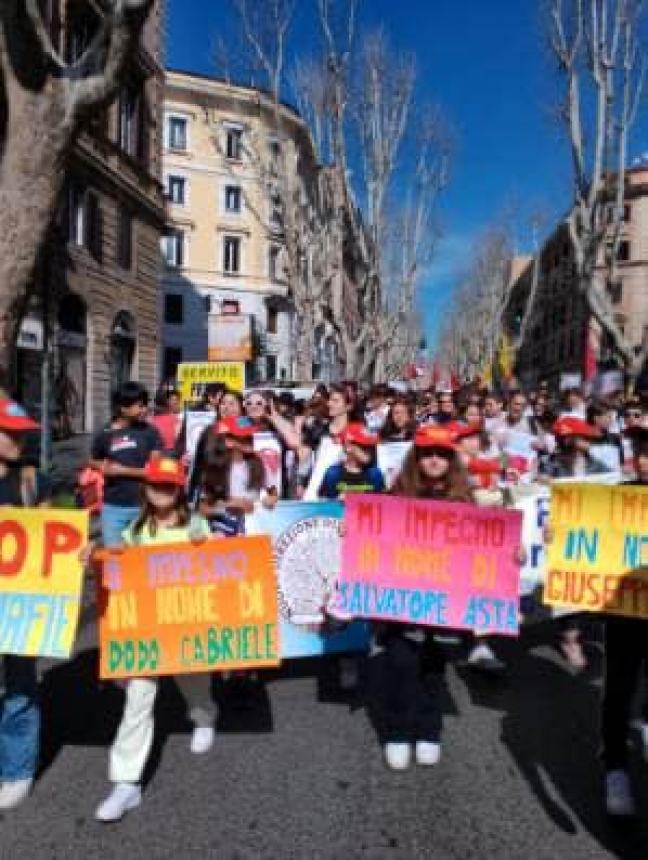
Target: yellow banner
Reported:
[(41, 580), (598, 557), (193, 378)]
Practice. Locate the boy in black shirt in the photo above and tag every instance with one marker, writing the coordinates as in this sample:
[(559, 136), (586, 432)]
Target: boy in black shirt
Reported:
[(121, 451)]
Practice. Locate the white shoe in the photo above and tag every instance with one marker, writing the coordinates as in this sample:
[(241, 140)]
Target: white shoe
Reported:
[(618, 794), (349, 673), (202, 739), (428, 753), (124, 797), (12, 794), (483, 657), (398, 756)]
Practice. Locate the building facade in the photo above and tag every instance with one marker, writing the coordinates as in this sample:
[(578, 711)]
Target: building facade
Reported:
[(561, 335), (224, 249), (98, 281)]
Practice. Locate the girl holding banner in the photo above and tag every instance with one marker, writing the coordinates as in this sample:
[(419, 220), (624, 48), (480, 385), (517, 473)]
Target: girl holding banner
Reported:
[(20, 486), (164, 518), (409, 665)]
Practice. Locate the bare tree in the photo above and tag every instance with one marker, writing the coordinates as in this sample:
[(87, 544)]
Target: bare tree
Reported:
[(595, 43), (44, 102)]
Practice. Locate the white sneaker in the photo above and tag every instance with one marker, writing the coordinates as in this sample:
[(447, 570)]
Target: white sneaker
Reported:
[(483, 657), (428, 753), (124, 797), (349, 673), (398, 756), (12, 794), (618, 794), (202, 739)]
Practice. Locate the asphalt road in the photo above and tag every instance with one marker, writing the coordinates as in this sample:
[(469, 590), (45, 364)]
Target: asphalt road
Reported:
[(299, 774)]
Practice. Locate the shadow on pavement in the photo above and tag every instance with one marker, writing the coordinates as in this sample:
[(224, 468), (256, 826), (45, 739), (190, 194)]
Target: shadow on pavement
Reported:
[(550, 726)]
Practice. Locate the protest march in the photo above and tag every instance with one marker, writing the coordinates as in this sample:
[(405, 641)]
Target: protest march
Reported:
[(363, 528)]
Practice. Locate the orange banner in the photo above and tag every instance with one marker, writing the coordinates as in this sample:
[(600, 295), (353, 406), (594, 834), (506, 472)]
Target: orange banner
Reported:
[(182, 608)]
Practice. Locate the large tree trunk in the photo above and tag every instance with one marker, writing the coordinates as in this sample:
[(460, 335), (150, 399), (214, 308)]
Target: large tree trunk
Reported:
[(31, 176)]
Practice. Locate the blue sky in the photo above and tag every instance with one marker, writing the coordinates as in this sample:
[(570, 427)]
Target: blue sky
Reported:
[(486, 63)]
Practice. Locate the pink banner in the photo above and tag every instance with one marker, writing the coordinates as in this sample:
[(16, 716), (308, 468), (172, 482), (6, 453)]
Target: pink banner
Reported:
[(439, 564)]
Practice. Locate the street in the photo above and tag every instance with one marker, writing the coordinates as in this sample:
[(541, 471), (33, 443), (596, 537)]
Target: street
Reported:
[(298, 773)]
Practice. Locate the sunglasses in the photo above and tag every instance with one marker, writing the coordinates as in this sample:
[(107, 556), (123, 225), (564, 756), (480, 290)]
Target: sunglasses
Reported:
[(255, 403), (438, 453)]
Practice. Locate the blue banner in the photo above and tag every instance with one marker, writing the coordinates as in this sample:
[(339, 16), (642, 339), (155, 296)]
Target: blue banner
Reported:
[(306, 538)]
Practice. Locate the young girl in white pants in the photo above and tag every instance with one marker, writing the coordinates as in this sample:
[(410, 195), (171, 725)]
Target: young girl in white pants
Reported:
[(165, 518)]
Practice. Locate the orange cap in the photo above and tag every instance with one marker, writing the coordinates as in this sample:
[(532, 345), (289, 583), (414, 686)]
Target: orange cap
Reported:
[(240, 428), (570, 425), (164, 470), (359, 435), (14, 418), (435, 437)]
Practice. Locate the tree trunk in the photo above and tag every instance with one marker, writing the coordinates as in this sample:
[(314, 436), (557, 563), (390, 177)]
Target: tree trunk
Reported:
[(31, 177)]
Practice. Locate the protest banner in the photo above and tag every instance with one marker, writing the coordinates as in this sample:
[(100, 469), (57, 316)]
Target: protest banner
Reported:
[(184, 608), (268, 447), (598, 557), (307, 545), (194, 377), (328, 454), (534, 508), (391, 456), (441, 564), (41, 579), (195, 423)]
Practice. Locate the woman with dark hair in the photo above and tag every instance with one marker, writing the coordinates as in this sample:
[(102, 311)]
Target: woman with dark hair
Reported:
[(573, 459), (409, 665), (400, 425)]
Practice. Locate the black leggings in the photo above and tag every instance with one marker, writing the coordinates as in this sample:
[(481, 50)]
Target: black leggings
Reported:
[(406, 680)]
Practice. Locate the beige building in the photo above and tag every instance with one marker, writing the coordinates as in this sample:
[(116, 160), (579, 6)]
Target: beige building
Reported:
[(99, 280), (223, 248), (561, 336)]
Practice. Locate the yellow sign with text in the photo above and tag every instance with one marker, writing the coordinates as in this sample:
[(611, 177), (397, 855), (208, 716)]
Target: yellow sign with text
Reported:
[(193, 378), (598, 556), (41, 579)]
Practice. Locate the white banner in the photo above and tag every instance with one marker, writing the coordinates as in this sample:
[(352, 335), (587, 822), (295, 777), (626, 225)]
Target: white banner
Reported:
[(195, 424), (328, 454), (268, 447), (391, 456)]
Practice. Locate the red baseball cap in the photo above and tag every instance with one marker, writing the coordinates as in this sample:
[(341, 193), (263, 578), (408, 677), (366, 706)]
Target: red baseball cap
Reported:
[(570, 425), (14, 418), (358, 434), (462, 430), (164, 470), (240, 428), (436, 437)]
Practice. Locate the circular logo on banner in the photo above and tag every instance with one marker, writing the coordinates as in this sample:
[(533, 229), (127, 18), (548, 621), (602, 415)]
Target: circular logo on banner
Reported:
[(308, 563)]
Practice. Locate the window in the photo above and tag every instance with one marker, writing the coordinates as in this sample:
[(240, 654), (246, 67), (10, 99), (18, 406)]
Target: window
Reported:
[(615, 291), (176, 190), (231, 255), (271, 366), (85, 220), (276, 212), (273, 318), (624, 252), (627, 213), (172, 358), (273, 263), (177, 133), (81, 27), (173, 309), (131, 121), (230, 306), (234, 144), (173, 249), (232, 198), (125, 239)]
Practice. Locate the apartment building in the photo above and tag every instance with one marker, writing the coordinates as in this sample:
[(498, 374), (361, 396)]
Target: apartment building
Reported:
[(223, 250), (99, 280), (561, 335)]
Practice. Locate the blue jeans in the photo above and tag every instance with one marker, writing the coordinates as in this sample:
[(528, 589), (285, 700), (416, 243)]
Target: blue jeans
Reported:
[(19, 720), (114, 521)]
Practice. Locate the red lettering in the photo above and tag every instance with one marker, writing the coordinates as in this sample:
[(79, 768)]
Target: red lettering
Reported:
[(16, 532), (58, 539)]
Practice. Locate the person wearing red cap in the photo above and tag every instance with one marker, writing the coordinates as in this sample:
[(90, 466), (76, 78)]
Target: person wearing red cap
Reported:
[(572, 459), (20, 486), (408, 665), (164, 517), (358, 473)]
